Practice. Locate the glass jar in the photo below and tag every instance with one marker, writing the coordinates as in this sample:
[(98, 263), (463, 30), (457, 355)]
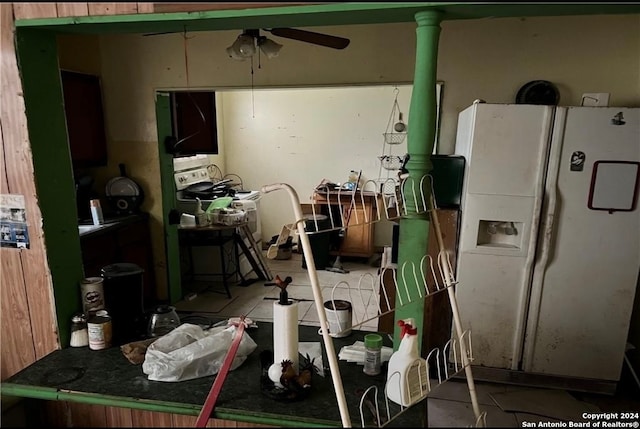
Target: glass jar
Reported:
[(163, 320), (79, 331), (372, 354)]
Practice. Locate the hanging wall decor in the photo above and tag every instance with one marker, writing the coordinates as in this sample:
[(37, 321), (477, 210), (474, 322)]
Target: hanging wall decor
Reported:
[(394, 135)]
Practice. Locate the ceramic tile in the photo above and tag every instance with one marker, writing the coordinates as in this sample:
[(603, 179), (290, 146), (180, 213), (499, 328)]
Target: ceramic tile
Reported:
[(263, 311), (445, 413), (539, 421), (458, 390)]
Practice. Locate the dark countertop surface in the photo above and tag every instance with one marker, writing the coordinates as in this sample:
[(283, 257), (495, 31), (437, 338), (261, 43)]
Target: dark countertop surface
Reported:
[(109, 373), (111, 223)]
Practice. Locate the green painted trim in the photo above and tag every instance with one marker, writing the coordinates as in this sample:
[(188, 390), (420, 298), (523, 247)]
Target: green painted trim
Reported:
[(23, 391), (172, 248), (38, 63), (313, 15), (51, 394)]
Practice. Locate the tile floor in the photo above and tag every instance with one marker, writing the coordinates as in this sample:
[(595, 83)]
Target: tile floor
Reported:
[(256, 301), (449, 404)]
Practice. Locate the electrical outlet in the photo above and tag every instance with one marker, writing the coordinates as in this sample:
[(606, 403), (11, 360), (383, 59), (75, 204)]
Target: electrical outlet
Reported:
[(599, 99)]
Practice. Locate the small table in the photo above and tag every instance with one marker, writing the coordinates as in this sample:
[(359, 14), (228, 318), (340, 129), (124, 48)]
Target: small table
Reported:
[(359, 234), (219, 236)]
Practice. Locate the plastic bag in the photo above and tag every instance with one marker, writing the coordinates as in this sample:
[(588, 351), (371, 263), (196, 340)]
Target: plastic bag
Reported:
[(190, 352)]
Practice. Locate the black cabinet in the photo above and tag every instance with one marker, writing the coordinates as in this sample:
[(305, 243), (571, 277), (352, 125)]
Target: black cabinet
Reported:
[(85, 119)]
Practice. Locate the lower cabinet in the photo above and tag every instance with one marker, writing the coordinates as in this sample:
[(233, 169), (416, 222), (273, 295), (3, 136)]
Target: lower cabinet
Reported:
[(130, 243)]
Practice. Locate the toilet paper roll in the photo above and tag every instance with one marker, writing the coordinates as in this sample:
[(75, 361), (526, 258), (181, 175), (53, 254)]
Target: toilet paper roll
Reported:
[(285, 333)]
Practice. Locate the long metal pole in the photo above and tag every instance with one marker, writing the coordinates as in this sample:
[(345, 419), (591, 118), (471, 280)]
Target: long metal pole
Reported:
[(448, 279), (317, 297)]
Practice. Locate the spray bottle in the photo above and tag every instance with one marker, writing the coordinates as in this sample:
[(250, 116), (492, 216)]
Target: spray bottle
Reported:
[(201, 215), (407, 376)]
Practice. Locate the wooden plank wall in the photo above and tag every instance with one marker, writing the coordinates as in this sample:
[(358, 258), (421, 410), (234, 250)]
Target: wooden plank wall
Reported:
[(28, 319), (74, 414), (58, 10)]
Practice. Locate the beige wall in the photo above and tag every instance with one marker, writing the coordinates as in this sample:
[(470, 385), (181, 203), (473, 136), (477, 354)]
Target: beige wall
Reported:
[(489, 59), (302, 136)]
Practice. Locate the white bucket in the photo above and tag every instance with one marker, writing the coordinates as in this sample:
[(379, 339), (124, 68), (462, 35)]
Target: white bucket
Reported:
[(339, 317)]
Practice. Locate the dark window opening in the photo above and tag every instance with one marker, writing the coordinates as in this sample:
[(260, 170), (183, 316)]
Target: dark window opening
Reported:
[(194, 122)]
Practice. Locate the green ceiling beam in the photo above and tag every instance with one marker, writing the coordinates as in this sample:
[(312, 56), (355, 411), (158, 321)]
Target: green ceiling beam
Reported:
[(327, 14)]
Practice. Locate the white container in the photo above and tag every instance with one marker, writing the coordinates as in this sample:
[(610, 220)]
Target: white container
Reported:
[(96, 212), (407, 376), (201, 216)]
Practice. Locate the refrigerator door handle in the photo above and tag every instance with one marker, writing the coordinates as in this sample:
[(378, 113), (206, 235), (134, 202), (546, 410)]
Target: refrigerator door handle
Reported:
[(546, 239)]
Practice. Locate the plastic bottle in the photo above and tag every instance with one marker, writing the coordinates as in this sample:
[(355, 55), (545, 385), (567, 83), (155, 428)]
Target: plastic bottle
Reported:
[(407, 376), (372, 354), (352, 182)]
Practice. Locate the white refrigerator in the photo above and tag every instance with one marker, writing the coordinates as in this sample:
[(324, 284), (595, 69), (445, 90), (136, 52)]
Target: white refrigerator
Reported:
[(549, 251)]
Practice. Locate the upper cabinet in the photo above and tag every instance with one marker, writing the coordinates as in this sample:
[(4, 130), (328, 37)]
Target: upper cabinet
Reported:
[(85, 119)]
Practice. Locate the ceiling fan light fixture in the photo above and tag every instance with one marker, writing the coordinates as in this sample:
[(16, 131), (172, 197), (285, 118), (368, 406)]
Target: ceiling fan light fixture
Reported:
[(268, 47), (243, 47)]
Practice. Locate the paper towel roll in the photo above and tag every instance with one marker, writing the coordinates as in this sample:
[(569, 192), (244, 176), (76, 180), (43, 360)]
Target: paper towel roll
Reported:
[(285, 333)]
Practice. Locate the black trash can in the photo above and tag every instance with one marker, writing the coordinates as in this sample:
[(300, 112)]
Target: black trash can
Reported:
[(123, 299), (320, 241)]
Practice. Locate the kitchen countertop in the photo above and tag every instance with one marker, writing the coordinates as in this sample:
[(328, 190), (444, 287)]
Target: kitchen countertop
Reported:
[(81, 374), (109, 224)]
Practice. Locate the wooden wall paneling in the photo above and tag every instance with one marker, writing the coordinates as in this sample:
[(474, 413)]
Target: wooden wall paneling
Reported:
[(184, 421), (27, 279), (119, 417), (35, 10), (126, 8), (56, 414), (200, 7), (150, 419), (14, 316), (17, 351), (96, 9), (72, 9), (145, 8), (87, 415)]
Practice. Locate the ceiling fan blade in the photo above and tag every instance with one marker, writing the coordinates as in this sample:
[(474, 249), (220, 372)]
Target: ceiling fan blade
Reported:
[(159, 34), (334, 42)]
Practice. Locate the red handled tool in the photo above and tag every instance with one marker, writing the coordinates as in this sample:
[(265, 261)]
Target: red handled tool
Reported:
[(210, 402)]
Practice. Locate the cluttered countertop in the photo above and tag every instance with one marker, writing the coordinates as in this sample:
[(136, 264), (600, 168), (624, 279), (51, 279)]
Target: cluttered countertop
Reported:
[(81, 374)]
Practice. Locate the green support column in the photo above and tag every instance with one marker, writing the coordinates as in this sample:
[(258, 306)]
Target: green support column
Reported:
[(37, 53), (414, 227)]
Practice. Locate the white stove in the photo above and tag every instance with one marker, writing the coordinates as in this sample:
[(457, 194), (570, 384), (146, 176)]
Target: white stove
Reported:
[(193, 170)]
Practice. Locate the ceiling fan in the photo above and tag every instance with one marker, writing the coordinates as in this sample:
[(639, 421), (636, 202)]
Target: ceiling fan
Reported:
[(245, 46)]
